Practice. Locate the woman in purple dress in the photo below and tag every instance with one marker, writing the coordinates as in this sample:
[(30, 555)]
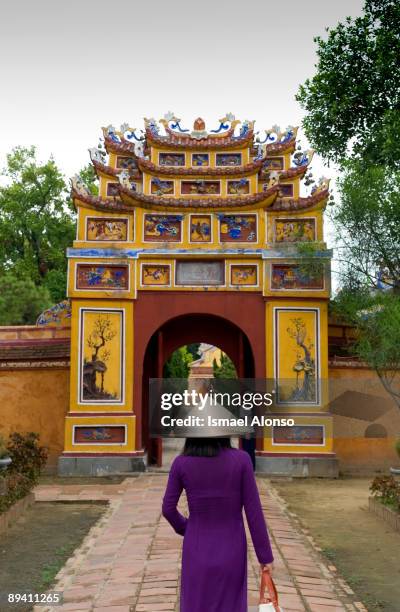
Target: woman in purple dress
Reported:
[(219, 482)]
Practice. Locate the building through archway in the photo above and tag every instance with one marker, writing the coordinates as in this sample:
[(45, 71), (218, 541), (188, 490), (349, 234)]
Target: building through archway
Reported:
[(195, 236)]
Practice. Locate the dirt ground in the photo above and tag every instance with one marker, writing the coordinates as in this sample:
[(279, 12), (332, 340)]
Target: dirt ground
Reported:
[(365, 550), (39, 543)]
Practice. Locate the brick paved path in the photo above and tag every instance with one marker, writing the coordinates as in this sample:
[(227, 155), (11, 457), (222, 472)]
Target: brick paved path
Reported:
[(129, 561)]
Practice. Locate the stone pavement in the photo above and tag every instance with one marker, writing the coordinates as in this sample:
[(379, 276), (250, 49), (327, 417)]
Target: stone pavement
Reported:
[(130, 560)]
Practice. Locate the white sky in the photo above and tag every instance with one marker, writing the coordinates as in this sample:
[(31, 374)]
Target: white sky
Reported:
[(67, 68)]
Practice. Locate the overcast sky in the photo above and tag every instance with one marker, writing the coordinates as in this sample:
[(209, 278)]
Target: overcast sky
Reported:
[(67, 68)]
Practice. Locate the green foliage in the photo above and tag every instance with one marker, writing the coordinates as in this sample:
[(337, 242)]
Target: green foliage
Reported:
[(354, 97), (367, 222), (21, 300), (37, 225), (17, 486), (226, 369), (377, 319), (194, 350), (177, 366), (89, 177), (387, 490), (397, 447), (36, 222), (28, 458)]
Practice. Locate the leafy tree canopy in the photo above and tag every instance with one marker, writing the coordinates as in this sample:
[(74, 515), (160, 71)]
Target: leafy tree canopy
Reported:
[(177, 366), (37, 224), (21, 300), (353, 100), (376, 316), (367, 223), (226, 369)]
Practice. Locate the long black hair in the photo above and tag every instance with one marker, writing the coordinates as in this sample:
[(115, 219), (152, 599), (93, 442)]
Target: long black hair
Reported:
[(205, 447)]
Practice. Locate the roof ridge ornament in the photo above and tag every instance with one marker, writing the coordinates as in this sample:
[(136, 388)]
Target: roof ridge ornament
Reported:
[(225, 123), (172, 122), (79, 186)]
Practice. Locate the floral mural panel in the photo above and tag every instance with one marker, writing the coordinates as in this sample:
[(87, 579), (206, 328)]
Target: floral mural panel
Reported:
[(228, 159), (160, 187), (298, 434), (102, 229), (200, 187), (100, 434), (243, 275), (126, 163), (295, 230), (200, 228), (171, 159), (101, 356), (239, 187), (200, 159), (274, 163), (293, 276), (102, 276), (286, 190), (113, 189), (238, 228), (162, 228), (297, 355), (156, 274)]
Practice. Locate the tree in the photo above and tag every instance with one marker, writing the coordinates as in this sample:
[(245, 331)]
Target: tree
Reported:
[(37, 224), (377, 319), (226, 369), (21, 300), (367, 223), (353, 100), (177, 366)]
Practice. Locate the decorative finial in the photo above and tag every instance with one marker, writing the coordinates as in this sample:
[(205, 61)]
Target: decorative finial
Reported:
[(199, 125)]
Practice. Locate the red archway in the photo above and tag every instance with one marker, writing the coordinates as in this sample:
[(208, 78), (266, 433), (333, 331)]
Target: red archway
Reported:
[(166, 321)]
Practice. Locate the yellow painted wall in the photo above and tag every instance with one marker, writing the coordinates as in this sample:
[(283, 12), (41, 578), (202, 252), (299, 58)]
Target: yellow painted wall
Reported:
[(35, 400)]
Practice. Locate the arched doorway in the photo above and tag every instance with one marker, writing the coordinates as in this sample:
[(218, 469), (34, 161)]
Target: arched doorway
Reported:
[(184, 330)]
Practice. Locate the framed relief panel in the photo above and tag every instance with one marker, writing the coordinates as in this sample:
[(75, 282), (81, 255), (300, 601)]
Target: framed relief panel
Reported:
[(289, 277), (243, 275), (171, 159), (200, 159), (101, 356), (112, 189), (107, 229), (297, 355), (200, 228), (274, 163), (200, 187), (228, 159), (237, 228), (126, 163), (155, 275), (102, 277), (306, 435), (162, 228), (294, 230), (99, 434)]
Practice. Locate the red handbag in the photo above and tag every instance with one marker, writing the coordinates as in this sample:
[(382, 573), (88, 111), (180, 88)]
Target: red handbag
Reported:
[(268, 603)]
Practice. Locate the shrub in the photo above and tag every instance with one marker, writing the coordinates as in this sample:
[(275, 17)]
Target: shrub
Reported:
[(28, 458), (3, 448), (387, 490), (17, 486)]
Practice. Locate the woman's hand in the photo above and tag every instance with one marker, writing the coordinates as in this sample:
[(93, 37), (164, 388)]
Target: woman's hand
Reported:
[(267, 566)]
